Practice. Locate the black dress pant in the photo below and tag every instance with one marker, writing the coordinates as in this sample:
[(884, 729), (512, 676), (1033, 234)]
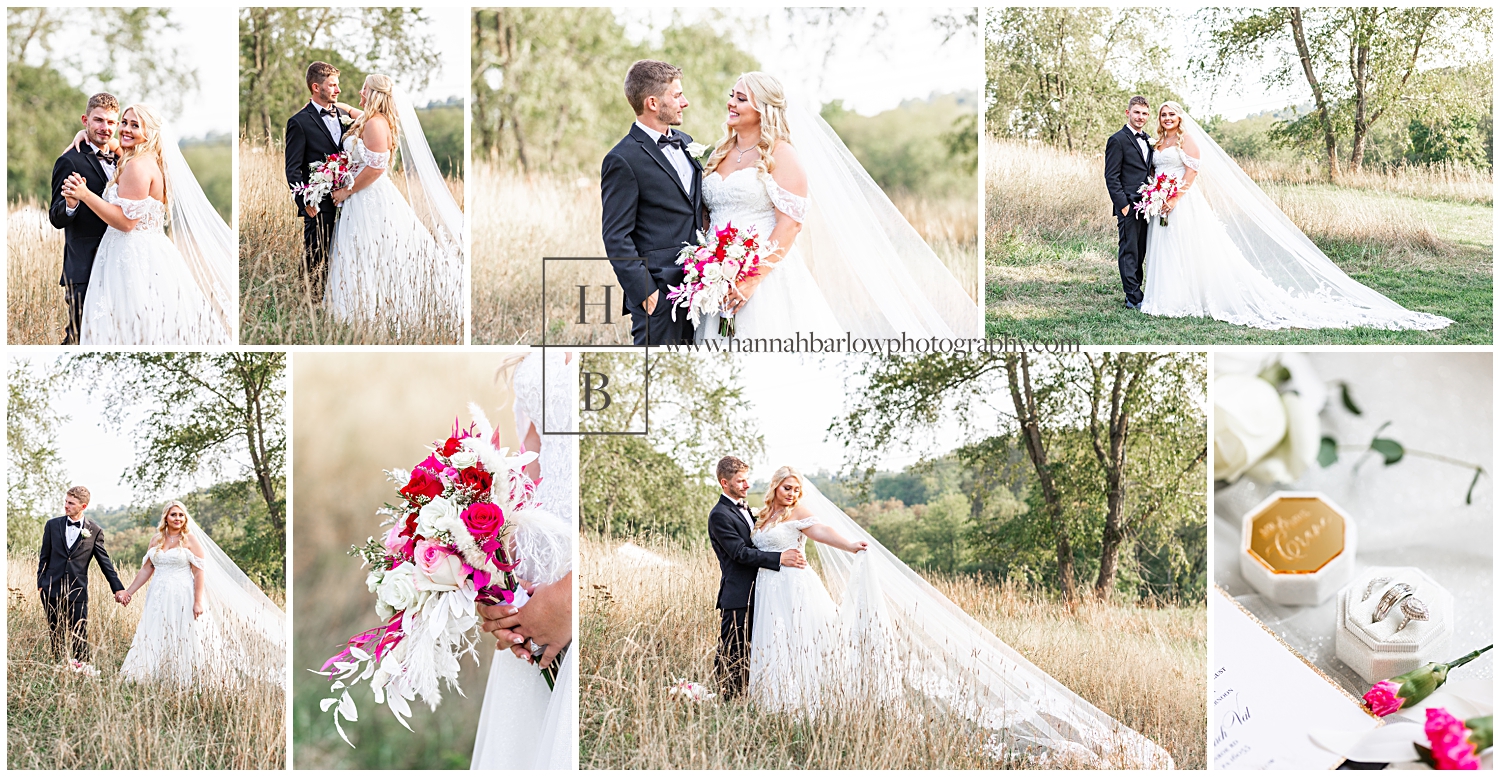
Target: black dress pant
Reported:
[(75, 293), (317, 238), (1132, 255), (67, 609), (658, 328), (732, 662)]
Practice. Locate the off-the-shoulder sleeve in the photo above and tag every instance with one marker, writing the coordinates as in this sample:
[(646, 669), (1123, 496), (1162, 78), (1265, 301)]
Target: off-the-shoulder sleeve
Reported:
[(811, 520), (195, 559), (376, 159), (149, 553), (786, 202), (135, 210), (1191, 162)]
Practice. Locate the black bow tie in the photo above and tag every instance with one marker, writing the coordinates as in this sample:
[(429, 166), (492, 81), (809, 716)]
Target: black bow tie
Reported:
[(1143, 136), (671, 140), (107, 157), (76, 524), (331, 113), (741, 505)]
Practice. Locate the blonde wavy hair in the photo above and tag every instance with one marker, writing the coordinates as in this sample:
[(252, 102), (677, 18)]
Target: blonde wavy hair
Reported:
[(161, 527), (769, 98), (381, 101), (771, 509), (1160, 133), (152, 123)]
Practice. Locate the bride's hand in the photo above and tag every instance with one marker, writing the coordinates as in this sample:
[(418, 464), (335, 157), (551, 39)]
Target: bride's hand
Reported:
[(77, 141), (741, 293), (197, 609), (860, 546), (339, 195)]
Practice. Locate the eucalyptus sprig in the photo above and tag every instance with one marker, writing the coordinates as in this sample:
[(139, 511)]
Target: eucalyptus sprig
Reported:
[(1386, 448)]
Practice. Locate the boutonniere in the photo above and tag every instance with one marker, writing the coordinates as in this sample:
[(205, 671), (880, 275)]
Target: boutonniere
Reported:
[(699, 152), (85, 533), (345, 119)]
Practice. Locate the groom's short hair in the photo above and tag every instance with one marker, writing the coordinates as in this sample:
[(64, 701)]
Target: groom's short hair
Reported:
[(318, 72), (730, 466), (1137, 100), (80, 493), (108, 102), (648, 78)]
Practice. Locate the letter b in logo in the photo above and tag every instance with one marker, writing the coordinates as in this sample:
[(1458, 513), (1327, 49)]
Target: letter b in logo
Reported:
[(590, 389)]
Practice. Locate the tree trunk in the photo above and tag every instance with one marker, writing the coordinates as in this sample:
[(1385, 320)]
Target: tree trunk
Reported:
[(1305, 55), (1359, 70), (1109, 450), (1018, 375)]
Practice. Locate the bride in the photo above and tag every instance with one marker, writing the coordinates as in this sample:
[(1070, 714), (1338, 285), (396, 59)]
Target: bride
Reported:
[(845, 259), (894, 637), (392, 261), (1227, 252), (146, 288), (203, 622)]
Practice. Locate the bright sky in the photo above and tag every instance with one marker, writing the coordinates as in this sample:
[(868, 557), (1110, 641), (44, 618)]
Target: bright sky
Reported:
[(210, 40), (873, 67), (94, 456), (794, 413), (449, 26)]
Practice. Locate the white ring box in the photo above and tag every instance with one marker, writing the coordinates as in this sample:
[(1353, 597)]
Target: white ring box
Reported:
[(1297, 548), (1377, 651)]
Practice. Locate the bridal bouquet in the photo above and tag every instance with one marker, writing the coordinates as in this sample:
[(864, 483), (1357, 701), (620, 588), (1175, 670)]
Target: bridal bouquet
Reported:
[(323, 177), (720, 261), (1154, 195), (449, 549)]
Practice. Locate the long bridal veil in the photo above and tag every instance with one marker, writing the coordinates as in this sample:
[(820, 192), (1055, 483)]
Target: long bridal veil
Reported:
[(1272, 244), (426, 189), (899, 626), (206, 243), (252, 626), (878, 274)]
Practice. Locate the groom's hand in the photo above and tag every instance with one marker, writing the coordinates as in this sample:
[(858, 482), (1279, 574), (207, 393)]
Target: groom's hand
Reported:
[(1125, 211), (312, 211), (793, 558), (122, 597), (650, 304)]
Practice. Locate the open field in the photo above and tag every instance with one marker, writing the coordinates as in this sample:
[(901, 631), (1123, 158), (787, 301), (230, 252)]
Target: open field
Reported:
[(1421, 236), (276, 305), (61, 720), (641, 627)]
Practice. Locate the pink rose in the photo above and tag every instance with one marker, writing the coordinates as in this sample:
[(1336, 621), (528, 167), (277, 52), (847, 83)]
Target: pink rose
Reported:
[(1451, 748), (393, 540), (438, 568), (483, 519), (1382, 699)]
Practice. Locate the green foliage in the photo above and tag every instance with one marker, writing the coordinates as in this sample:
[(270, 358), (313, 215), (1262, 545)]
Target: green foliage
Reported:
[(211, 159), (444, 127), (925, 147), (35, 475), (43, 116)]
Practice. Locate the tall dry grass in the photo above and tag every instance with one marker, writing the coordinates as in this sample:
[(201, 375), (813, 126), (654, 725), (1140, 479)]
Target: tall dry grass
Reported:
[(641, 627), (1444, 181), (37, 311), (276, 302), (62, 720), (555, 216)]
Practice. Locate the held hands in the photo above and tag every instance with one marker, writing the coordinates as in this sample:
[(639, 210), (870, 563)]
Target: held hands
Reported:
[(793, 558), (123, 597), (75, 189)]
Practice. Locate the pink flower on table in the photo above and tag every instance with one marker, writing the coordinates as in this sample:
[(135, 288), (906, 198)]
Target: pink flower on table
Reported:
[(1383, 699), (1451, 748)]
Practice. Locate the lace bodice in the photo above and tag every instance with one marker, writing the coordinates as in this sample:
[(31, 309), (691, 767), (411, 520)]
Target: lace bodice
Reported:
[(361, 157), (783, 536), (744, 197), (559, 454), (152, 214), (1173, 161), (173, 562)]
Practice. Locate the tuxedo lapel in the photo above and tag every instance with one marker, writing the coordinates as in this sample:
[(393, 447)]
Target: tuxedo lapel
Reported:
[(654, 151), (88, 153)]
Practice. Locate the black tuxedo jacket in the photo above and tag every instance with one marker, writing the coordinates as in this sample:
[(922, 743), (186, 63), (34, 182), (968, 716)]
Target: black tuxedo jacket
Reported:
[(739, 560), (647, 214), (1125, 169), (83, 230), (58, 563), (308, 141)]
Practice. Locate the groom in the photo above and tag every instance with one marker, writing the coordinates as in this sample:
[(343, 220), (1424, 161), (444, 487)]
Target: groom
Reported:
[(652, 191), (1127, 165), (729, 525), (312, 134), (62, 574), (82, 228)]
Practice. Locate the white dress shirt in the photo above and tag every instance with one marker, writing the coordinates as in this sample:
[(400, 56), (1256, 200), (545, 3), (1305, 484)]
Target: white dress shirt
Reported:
[(109, 173), (335, 129), (72, 531), (744, 511), (676, 156), (1145, 152)]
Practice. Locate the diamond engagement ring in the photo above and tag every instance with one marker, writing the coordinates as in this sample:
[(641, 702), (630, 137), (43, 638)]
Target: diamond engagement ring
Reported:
[(1393, 596), (1412, 609)]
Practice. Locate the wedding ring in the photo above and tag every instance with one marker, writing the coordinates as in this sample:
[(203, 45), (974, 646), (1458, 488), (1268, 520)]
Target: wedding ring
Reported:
[(1369, 589), (1392, 597), (1412, 609)]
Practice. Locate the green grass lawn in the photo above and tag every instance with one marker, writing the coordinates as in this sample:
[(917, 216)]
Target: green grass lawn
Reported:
[(1066, 286)]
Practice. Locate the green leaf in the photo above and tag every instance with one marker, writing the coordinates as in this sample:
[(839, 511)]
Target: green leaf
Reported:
[(1469, 497), (1328, 451), (1390, 449), (1276, 375), (1348, 400)]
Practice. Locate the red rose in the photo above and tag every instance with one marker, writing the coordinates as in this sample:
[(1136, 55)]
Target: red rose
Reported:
[(483, 519), (422, 483), (477, 479), (452, 446)]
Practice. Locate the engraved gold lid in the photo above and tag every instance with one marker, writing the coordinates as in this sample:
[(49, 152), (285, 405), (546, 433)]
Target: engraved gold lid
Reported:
[(1296, 535)]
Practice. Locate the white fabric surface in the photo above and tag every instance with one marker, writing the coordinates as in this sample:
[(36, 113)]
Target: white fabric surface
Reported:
[(1411, 513)]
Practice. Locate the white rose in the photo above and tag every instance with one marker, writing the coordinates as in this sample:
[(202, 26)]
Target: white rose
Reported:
[(445, 575), (372, 580), (435, 515), (463, 459), (1297, 450), (398, 589), (696, 149), (1249, 422)]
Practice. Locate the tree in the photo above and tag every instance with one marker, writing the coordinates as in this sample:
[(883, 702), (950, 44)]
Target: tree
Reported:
[(200, 410), (36, 479), (1359, 63)]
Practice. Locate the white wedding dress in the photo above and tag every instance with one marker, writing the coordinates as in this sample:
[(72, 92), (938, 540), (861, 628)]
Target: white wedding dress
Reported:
[(384, 264), (524, 724), (141, 290), (880, 636), (1230, 254)]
